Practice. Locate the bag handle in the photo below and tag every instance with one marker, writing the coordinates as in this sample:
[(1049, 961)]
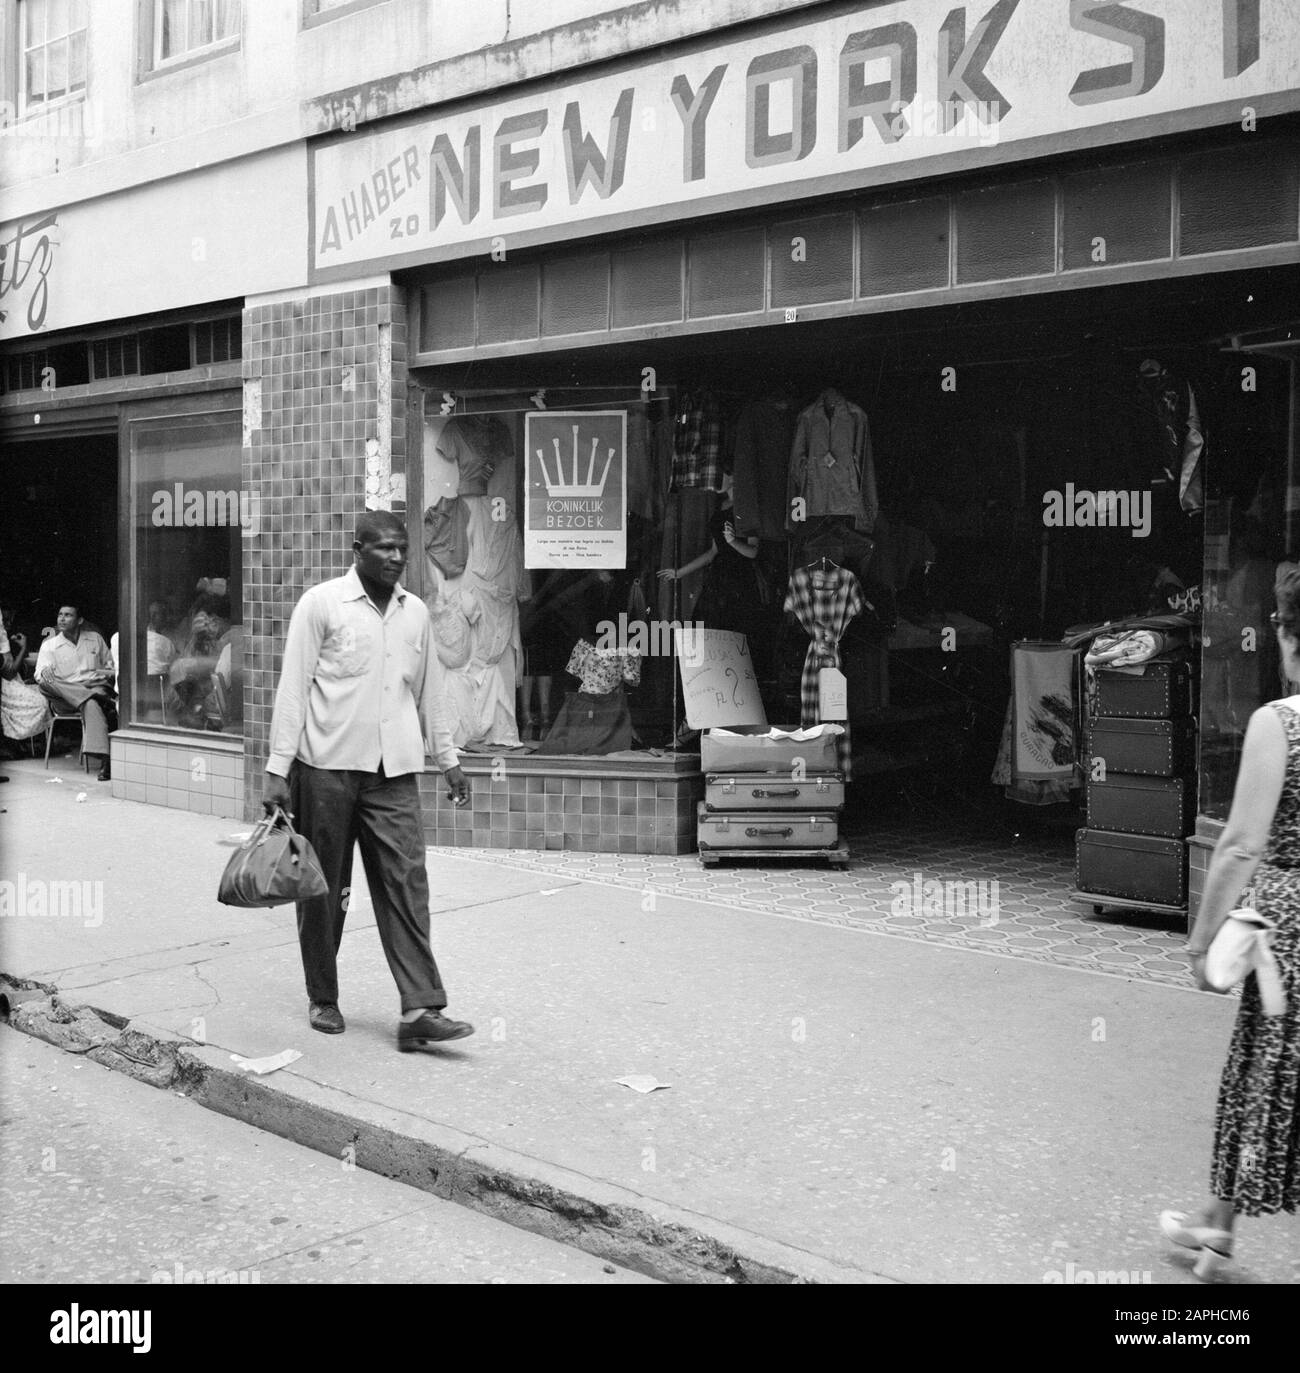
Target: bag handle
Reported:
[(279, 818)]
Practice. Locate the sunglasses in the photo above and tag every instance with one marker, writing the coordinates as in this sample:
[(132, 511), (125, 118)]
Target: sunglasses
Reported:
[(1280, 621)]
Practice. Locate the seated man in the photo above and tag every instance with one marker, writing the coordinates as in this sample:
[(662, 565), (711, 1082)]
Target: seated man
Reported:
[(75, 668), (228, 675), (192, 669), (159, 649)]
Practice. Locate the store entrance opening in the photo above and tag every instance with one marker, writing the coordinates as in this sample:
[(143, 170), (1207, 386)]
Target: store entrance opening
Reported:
[(60, 502)]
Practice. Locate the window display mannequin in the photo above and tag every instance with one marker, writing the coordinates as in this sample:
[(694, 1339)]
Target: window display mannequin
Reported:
[(731, 596), (596, 719), (475, 611), (562, 605)]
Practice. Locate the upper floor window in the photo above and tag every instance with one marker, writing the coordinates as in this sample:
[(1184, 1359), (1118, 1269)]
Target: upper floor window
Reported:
[(52, 35), (188, 28), (320, 11)]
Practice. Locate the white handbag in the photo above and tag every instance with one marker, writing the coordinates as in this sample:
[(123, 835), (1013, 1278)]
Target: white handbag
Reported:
[(1243, 945)]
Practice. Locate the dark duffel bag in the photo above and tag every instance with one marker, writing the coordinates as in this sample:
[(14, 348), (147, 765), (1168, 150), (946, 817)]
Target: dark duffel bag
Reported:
[(272, 867)]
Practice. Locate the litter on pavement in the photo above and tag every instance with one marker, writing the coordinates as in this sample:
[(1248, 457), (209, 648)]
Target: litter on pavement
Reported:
[(268, 1064), (642, 1082)]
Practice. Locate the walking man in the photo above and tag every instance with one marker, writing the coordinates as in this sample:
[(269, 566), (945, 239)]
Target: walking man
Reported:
[(360, 693), (75, 668)]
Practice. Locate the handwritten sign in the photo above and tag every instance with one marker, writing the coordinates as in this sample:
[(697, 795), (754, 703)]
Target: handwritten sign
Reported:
[(718, 682)]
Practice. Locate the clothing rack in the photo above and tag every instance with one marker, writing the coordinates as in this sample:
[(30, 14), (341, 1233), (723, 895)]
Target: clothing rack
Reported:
[(639, 399)]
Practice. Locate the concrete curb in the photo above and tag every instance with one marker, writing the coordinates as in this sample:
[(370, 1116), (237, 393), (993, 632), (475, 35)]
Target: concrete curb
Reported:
[(609, 1222)]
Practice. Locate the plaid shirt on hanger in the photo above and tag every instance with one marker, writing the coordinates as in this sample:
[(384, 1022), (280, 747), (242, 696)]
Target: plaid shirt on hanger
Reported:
[(697, 444), (824, 603)]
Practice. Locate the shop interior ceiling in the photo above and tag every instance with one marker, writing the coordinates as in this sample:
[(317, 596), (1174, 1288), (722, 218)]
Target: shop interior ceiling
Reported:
[(857, 354)]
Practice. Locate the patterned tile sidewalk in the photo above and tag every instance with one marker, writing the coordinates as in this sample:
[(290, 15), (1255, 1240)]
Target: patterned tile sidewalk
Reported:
[(1034, 917)]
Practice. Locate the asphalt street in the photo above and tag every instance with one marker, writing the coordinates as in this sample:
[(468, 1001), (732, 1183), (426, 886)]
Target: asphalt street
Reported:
[(108, 1180)]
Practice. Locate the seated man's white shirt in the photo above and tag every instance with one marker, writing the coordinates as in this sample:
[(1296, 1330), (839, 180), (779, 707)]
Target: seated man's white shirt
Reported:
[(74, 662)]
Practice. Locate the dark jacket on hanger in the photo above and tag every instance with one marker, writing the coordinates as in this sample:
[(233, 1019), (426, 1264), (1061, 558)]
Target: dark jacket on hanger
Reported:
[(764, 435), (831, 465)]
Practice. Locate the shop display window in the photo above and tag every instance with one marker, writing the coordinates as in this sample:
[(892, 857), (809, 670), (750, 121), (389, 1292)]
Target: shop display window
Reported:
[(608, 572), (571, 659), (1251, 535), (184, 668)]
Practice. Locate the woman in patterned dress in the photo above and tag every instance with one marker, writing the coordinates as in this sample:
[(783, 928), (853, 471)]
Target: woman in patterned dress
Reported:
[(24, 709), (1256, 1162)]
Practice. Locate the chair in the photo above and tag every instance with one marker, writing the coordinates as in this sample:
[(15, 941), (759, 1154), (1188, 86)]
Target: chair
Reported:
[(69, 715), (216, 715)]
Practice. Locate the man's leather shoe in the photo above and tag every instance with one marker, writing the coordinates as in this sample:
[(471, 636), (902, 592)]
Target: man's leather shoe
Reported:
[(432, 1028), (326, 1017), (105, 774)]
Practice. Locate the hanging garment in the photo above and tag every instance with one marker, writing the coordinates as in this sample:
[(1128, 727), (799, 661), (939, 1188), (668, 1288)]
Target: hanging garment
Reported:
[(1180, 436), (1044, 742), (824, 603), (831, 466), (478, 445), (1039, 792), (452, 615), (685, 536), (476, 615), (649, 449), (697, 444), (761, 466), (446, 535)]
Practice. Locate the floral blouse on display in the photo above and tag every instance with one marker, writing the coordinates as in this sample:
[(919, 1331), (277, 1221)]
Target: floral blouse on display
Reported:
[(601, 670)]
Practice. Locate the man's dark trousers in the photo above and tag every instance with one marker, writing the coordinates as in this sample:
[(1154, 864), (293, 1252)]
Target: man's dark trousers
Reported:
[(335, 810)]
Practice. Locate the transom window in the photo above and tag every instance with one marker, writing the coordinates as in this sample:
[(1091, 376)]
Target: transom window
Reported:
[(183, 28), (52, 34)]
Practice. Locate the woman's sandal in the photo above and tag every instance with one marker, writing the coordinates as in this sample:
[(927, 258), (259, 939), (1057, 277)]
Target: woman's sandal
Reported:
[(1214, 1246)]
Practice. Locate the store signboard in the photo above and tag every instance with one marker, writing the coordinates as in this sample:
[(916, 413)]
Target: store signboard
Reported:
[(860, 95), (224, 232), (575, 489)]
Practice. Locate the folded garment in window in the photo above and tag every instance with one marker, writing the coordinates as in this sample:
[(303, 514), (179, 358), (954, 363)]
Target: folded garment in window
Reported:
[(1132, 647)]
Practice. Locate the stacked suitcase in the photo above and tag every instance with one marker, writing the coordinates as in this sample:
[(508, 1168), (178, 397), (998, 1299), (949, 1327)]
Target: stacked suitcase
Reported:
[(1141, 789), (779, 803)]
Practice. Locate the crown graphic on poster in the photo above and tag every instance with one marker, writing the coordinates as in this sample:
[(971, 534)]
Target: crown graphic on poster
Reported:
[(577, 486)]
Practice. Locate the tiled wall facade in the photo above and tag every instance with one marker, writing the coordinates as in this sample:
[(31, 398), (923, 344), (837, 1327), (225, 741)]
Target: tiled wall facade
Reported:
[(184, 776), (529, 808), (1199, 850), (322, 375)]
